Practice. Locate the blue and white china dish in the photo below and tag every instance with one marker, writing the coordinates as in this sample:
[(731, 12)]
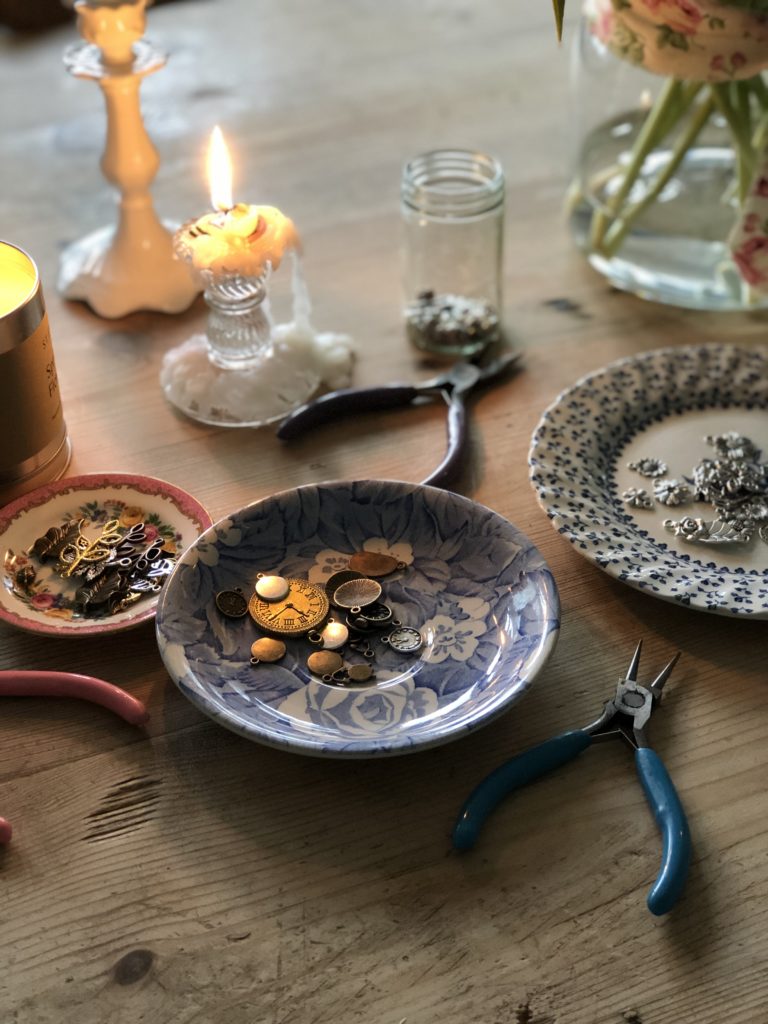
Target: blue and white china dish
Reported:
[(655, 409), (478, 590)]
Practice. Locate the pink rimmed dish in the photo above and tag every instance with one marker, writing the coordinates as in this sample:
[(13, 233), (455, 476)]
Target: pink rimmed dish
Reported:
[(47, 605)]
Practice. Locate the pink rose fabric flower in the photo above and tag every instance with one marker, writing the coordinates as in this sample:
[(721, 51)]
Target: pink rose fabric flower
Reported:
[(42, 601), (752, 260), (695, 40), (749, 239)]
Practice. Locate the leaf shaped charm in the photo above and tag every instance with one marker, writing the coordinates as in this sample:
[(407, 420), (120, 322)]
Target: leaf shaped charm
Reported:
[(101, 589), (53, 542)]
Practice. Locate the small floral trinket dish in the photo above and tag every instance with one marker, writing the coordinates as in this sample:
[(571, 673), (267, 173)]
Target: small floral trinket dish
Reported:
[(613, 461), (476, 589), (33, 597)]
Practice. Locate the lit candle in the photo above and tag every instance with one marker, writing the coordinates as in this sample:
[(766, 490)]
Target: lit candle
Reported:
[(17, 278), (237, 238)]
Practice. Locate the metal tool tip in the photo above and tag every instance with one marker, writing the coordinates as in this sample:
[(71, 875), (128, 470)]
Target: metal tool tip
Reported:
[(634, 664), (658, 683)]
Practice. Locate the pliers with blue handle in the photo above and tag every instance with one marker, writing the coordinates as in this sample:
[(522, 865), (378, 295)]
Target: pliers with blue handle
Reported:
[(625, 716)]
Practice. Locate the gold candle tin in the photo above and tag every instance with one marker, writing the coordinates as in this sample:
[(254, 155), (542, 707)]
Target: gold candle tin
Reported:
[(34, 447)]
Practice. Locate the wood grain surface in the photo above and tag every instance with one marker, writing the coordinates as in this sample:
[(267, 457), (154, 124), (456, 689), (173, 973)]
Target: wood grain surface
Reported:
[(181, 875)]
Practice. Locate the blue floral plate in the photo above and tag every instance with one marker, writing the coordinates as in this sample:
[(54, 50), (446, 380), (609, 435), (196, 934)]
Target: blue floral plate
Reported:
[(477, 589)]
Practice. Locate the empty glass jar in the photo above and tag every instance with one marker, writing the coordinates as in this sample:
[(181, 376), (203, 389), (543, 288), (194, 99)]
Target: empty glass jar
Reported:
[(452, 204)]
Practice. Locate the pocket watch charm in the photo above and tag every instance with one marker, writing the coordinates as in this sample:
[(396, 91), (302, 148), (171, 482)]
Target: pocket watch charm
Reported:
[(404, 639), (232, 603), (303, 608)]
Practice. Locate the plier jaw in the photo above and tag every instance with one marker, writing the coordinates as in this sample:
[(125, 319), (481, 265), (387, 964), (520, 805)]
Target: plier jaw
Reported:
[(628, 712)]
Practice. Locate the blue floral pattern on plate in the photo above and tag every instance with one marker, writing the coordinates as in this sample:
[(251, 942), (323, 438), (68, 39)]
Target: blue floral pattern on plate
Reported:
[(573, 460), (479, 591)]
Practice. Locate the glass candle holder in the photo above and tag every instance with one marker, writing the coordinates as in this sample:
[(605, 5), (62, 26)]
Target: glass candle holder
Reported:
[(245, 371), (452, 204)]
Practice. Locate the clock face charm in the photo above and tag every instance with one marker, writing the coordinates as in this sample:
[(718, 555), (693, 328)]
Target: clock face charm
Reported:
[(404, 639), (303, 608)]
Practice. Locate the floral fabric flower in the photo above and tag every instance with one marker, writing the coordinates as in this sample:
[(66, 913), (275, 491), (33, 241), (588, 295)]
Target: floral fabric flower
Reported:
[(696, 40)]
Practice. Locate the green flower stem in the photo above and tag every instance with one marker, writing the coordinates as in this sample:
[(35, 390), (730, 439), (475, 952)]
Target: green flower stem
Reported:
[(760, 132), (722, 95), (647, 139), (760, 90), (671, 104), (619, 229)]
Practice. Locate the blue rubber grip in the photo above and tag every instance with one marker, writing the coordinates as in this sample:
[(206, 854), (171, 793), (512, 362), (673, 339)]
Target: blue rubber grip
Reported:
[(676, 839), (525, 768)]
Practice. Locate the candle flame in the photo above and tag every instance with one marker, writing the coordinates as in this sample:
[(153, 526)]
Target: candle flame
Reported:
[(219, 168)]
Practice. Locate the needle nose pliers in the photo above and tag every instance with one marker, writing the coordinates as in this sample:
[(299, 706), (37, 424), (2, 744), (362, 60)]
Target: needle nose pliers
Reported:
[(625, 716), (452, 386)]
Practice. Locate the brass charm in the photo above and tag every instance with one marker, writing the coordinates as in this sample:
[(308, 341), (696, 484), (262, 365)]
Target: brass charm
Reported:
[(371, 563), (360, 673), (324, 663), (303, 609), (83, 550), (232, 603), (53, 541), (335, 581), (356, 594), (361, 646), (267, 649), (377, 615)]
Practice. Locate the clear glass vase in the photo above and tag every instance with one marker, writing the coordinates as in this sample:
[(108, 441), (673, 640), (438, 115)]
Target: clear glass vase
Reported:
[(654, 221)]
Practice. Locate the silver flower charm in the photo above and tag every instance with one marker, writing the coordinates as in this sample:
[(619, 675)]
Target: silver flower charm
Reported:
[(695, 530), (649, 467), (672, 492), (688, 528), (734, 446), (637, 497)]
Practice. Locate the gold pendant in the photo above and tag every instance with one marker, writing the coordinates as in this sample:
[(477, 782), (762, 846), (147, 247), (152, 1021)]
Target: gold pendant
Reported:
[(372, 563), (303, 608)]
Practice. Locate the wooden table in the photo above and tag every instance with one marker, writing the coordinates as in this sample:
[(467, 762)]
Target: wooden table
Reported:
[(186, 876)]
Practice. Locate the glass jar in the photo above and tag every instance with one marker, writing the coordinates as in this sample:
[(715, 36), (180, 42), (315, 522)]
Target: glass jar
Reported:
[(452, 204), (655, 194)]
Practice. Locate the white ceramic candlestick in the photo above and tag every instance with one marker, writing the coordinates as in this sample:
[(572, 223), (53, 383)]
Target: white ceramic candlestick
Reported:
[(118, 271)]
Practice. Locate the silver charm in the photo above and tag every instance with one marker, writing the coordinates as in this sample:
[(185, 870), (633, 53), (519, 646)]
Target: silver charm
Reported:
[(356, 594), (672, 492), (271, 588), (649, 467), (734, 446), (716, 531), (637, 497), (689, 528), (404, 639), (734, 484), (333, 636)]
